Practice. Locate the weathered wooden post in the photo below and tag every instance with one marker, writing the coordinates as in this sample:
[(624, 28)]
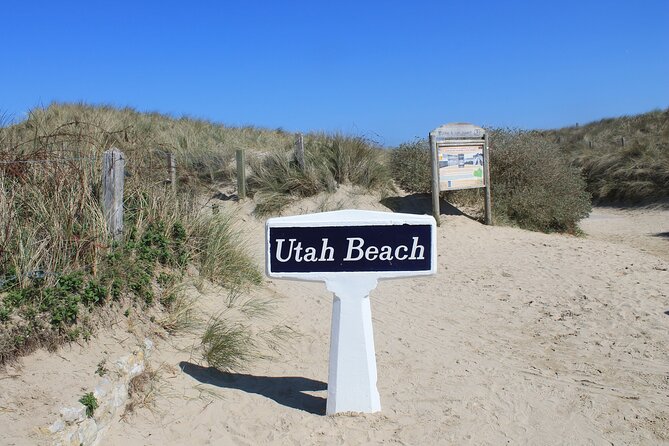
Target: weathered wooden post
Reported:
[(486, 181), (241, 173), (172, 171), (622, 141), (436, 212), (113, 171), (299, 151)]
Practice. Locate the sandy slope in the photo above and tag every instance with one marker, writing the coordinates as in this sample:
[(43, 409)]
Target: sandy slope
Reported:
[(521, 338)]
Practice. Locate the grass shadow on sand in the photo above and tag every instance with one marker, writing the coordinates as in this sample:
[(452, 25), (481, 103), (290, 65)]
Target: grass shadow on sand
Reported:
[(421, 204), (285, 390)]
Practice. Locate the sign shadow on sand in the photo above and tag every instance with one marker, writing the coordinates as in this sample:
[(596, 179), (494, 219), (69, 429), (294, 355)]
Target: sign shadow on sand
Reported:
[(421, 204), (288, 391)]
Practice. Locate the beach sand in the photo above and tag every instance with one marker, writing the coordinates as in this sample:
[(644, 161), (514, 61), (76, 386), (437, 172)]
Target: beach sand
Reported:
[(521, 338)]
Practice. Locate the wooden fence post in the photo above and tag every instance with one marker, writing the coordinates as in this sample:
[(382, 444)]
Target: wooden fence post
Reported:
[(436, 212), (488, 187), (113, 171), (299, 151), (241, 173), (622, 141), (172, 171)]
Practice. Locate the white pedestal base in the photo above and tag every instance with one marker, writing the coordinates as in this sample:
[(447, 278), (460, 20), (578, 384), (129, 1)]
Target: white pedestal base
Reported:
[(352, 369)]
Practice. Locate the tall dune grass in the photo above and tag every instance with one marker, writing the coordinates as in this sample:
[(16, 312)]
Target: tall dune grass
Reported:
[(624, 160), (55, 256), (330, 160)]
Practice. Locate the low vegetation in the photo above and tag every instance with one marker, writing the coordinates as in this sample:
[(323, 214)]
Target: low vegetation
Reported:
[(59, 269), (227, 345), (411, 166), (541, 179), (142, 390), (533, 185), (243, 332), (90, 402)]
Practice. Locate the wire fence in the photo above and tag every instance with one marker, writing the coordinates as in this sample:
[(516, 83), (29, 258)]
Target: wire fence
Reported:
[(49, 160), (153, 166)]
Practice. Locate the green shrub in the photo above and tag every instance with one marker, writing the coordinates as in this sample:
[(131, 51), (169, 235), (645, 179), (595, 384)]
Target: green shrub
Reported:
[(411, 166), (90, 402), (533, 184)]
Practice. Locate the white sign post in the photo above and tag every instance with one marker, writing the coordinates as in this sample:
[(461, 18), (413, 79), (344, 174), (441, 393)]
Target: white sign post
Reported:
[(350, 251)]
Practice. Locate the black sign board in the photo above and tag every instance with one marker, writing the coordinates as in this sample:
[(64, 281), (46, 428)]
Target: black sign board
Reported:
[(366, 248)]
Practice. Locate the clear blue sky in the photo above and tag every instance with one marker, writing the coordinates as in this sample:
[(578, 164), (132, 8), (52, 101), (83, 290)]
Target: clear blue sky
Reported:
[(387, 70)]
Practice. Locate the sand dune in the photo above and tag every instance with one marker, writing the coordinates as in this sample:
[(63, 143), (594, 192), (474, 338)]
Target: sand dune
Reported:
[(521, 338)]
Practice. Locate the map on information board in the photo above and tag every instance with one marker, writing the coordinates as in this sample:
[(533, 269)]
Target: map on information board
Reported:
[(460, 166)]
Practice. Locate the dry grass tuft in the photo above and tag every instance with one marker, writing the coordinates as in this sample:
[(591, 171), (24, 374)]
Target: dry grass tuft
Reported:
[(228, 345), (142, 390), (181, 314)]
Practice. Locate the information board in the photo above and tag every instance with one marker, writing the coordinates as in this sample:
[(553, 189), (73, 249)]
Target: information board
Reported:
[(460, 161)]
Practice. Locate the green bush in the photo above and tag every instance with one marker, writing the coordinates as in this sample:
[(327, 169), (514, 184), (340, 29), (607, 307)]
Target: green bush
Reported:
[(411, 166), (533, 184)]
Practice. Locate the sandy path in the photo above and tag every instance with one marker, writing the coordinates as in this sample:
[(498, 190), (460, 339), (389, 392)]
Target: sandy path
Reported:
[(644, 229), (521, 338)]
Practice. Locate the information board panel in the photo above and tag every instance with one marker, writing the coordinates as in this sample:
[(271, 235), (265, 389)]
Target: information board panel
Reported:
[(460, 166)]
